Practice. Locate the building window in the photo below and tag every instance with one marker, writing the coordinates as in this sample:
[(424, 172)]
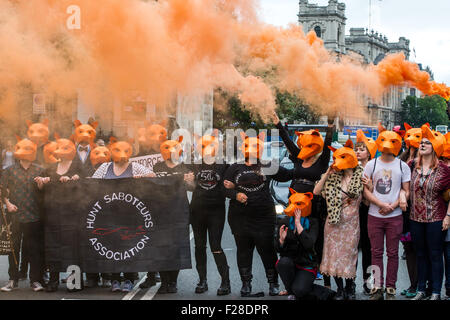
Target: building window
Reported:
[(318, 31)]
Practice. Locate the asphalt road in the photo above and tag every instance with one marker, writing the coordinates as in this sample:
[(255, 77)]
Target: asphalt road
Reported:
[(187, 281)]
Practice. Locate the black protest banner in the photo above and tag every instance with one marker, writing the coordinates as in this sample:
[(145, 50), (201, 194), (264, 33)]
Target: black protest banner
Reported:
[(123, 225)]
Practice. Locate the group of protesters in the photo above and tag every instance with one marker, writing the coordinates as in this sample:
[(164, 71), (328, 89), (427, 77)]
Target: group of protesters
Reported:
[(357, 202)]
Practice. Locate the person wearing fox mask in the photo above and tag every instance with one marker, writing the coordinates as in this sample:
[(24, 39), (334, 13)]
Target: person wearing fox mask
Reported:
[(342, 188), (430, 214), (150, 138), (311, 157), (208, 211), (412, 138), (251, 214), (20, 192), (298, 263), (171, 151), (62, 171), (39, 134), (84, 136), (390, 178), (120, 168), (446, 160)]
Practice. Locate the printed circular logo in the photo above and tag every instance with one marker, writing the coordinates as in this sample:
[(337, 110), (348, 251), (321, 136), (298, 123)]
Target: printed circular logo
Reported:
[(208, 179), (118, 226), (250, 181)]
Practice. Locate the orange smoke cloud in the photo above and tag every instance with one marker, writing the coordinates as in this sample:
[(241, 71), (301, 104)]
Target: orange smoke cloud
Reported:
[(395, 70), (187, 47)]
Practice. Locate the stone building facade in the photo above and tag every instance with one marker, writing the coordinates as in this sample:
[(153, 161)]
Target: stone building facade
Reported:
[(367, 46)]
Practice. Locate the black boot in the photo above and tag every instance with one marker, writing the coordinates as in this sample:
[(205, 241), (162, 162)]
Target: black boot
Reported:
[(202, 286), (350, 289), (272, 278), (246, 278), (225, 287), (340, 295), (149, 281), (222, 267)]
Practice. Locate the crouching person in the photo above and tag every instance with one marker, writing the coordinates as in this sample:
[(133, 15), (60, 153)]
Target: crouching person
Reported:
[(295, 242)]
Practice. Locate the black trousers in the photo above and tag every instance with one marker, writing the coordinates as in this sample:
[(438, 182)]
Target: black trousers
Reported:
[(208, 222), (264, 244), (300, 282), (33, 243), (253, 227), (364, 241)]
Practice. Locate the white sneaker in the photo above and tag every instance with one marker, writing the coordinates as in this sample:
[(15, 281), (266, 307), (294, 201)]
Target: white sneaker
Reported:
[(36, 286), (10, 286), (105, 283)]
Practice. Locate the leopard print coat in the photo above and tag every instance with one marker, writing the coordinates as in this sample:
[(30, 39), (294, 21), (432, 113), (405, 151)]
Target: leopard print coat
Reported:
[(332, 192)]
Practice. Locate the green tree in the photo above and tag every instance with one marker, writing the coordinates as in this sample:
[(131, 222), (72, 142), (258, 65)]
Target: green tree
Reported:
[(417, 111), (292, 108)]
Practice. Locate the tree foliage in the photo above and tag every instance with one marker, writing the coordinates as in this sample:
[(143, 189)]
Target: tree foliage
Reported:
[(417, 111)]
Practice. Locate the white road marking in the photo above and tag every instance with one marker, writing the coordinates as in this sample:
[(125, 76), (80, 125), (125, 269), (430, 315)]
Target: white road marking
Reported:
[(151, 292), (135, 290)]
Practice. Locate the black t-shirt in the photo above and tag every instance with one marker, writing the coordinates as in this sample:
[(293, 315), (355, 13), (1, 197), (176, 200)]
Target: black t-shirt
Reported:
[(209, 187), (312, 173), (74, 169), (251, 181)]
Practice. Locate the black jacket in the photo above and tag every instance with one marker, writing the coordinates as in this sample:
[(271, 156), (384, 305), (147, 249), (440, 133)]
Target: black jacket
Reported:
[(300, 248)]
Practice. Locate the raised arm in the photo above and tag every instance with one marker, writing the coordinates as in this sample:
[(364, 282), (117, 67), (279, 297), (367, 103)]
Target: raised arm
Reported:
[(284, 134), (325, 156)]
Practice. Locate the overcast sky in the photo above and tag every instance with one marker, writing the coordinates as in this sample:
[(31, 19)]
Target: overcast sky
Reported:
[(425, 23)]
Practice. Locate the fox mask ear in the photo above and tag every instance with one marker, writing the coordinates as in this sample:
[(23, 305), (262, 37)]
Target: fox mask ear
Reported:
[(29, 123), (112, 140), (18, 138), (309, 195), (332, 149), (57, 136), (77, 123), (349, 144), (243, 135), (381, 128), (292, 191)]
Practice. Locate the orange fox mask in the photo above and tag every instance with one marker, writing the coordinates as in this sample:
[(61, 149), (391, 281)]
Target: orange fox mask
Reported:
[(155, 134), (413, 136), (65, 149), (300, 201), (310, 143), (369, 143), (25, 149), (49, 149), (446, 153), (100, 155), (252, 147), (436, 138), (388, 141), (171, 149), (207, 146), (38, 132), (121, 151), (345, 157), (85, 133)]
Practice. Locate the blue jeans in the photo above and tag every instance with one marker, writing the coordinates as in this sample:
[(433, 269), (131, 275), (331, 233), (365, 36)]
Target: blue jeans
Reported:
[(429, 241), (447, 264)]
